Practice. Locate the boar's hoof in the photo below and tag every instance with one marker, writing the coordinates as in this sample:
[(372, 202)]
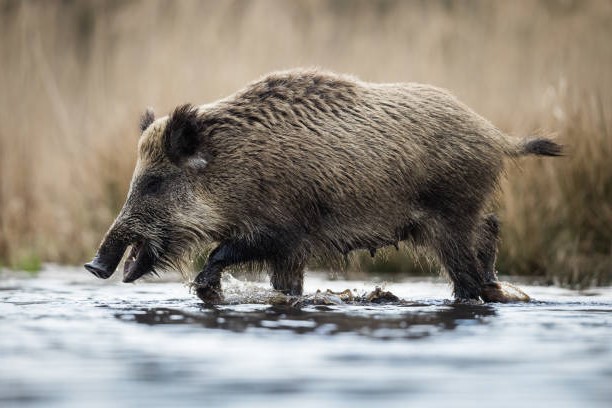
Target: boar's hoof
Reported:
[(209, 294), (503, 292)]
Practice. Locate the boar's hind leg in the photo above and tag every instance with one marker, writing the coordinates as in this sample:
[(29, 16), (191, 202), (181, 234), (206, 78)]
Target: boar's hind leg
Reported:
[(287, 275), (486, 246), (461, 264), (208, 282)]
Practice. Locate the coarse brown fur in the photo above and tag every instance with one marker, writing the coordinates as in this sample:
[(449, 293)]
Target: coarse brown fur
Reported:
[(307, 163)]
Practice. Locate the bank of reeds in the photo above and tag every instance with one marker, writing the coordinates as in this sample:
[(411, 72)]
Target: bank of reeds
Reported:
[(75, 76)]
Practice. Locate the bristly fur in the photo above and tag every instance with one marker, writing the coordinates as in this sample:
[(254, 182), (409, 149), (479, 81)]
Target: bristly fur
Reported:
[(304, 164), (146, 119)]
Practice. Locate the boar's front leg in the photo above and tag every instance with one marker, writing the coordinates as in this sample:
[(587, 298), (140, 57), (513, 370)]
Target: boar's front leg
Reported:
[(288, 275), (208, 282)]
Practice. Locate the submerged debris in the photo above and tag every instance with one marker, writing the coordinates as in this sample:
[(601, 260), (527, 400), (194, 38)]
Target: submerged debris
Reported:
[(347, 296), (380, 296), (330, 297)]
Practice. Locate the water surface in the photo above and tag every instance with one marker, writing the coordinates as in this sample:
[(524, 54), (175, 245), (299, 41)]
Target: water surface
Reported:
[(68, 339)]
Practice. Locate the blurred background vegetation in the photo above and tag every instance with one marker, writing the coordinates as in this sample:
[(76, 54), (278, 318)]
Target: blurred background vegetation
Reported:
[(76, 75)]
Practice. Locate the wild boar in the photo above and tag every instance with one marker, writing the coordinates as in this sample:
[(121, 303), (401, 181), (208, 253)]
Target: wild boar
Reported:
[(307, 163)]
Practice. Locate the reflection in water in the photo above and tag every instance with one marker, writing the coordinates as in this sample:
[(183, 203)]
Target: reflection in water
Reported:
[(398, 322)]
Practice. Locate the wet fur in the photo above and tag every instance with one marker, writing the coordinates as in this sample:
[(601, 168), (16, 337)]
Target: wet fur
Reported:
[(306, 163)]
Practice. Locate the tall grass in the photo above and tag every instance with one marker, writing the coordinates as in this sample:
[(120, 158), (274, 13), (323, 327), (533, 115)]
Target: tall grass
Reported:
[(75, 76), (562, 211)]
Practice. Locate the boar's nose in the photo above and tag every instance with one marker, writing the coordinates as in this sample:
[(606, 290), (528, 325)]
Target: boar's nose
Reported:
[(109, 254), (108, 257), (99, 269)]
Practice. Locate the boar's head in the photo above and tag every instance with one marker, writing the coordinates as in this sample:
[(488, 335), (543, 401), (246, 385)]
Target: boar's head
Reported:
[(166, 215)]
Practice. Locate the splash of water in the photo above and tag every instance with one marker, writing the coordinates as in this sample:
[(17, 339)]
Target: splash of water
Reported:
[(236, 291)]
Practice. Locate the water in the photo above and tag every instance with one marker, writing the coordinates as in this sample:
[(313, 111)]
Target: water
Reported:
[(67, 339)]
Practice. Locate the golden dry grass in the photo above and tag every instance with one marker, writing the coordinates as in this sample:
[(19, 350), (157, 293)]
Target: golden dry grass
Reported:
[(75, 76)]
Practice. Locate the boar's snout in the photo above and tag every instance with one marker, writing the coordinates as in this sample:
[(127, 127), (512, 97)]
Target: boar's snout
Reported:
[(100, 269), (108, 257)]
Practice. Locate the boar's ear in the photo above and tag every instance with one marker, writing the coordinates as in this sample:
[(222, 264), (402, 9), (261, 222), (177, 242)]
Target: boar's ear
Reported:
[(182, 134), (146, 119)]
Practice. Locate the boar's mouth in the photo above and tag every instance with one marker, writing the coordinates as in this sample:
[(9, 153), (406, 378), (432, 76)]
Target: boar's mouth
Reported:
[(139, 262)]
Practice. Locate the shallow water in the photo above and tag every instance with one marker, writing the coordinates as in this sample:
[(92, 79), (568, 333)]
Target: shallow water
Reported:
[(68, 339)]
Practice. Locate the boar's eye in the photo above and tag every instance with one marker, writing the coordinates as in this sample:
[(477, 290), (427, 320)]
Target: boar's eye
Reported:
[(151, 185)]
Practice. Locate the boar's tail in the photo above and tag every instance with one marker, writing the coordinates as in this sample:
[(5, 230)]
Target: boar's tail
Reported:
[(539, 146)]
